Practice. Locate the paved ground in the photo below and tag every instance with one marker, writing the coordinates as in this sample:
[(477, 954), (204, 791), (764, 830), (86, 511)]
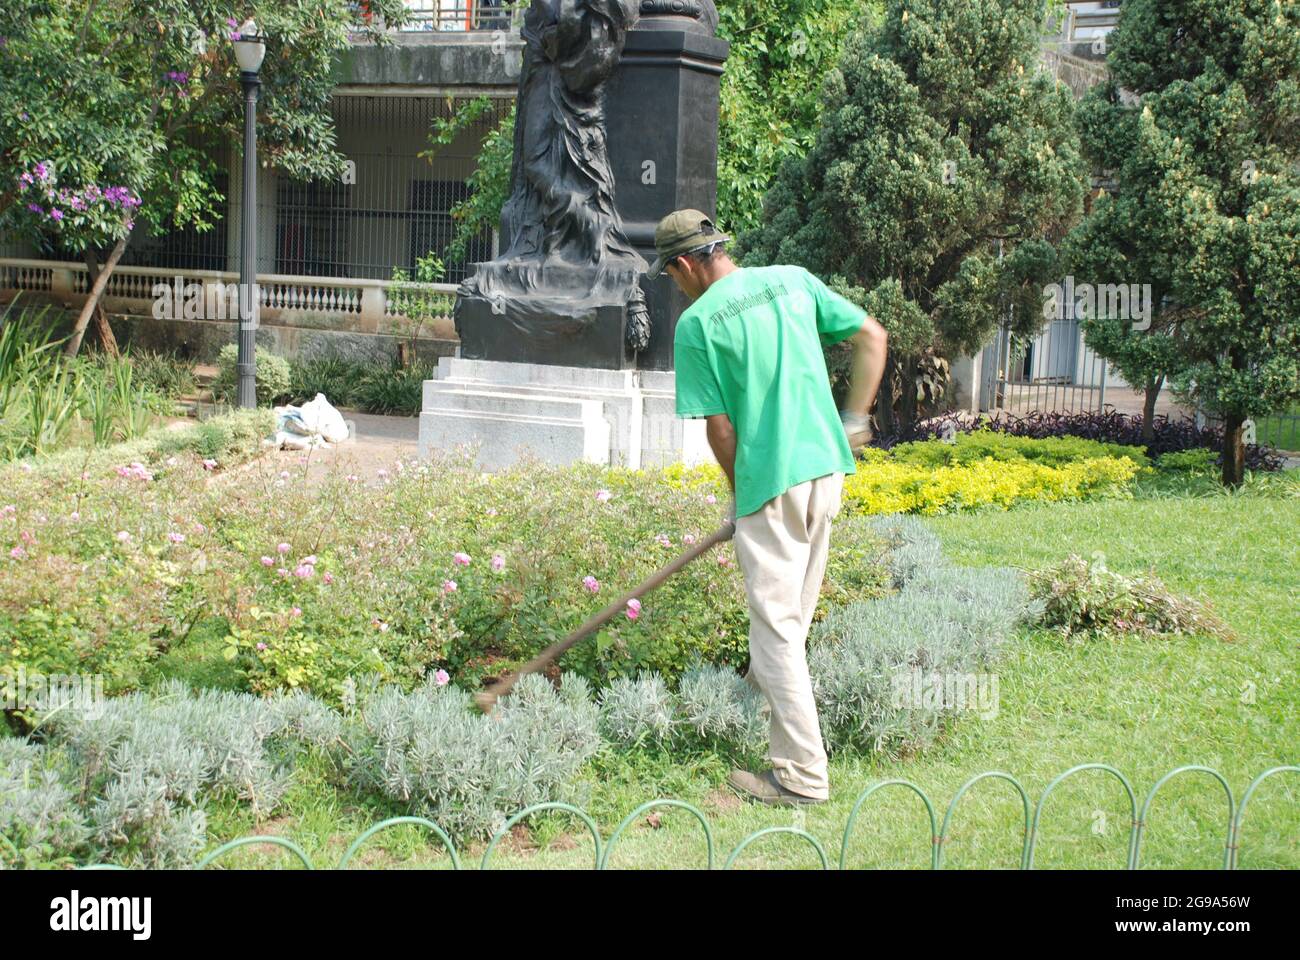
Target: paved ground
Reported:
[(377, 443)]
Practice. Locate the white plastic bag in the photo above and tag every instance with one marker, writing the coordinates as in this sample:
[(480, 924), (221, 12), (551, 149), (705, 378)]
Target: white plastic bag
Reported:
[(319, 416)]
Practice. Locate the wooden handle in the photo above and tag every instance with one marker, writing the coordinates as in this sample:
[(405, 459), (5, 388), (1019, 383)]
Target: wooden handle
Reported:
[(488, 698)]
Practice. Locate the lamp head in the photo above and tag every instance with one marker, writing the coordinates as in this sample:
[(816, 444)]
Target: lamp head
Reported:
[(250, 48)]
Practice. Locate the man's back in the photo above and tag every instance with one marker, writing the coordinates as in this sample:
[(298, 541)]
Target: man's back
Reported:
[(751, 347)]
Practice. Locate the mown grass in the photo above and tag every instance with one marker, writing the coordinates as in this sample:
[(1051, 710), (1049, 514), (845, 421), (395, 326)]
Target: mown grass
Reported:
[(1144, 706)]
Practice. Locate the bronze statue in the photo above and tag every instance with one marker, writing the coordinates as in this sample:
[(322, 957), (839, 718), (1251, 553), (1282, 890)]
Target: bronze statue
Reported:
[(564, 249)]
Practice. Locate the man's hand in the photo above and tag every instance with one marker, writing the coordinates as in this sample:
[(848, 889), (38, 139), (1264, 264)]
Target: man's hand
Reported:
[(857, 428)]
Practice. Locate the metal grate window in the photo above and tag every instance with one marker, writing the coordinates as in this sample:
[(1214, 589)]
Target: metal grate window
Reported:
[(393, 206), (310, 235), (185, 248)]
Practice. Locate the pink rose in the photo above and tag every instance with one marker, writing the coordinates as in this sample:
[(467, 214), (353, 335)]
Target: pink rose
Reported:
[(261, 647), (603, 496), (498, 562), (461, 559), (282, 548), (441, 678), (633, 608), (591, 583), (18, 553), (268, 562), (328, 578), (449, 586)]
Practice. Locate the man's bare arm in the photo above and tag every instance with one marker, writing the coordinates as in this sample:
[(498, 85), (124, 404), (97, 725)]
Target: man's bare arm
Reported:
[(869, 345), (722, 441)]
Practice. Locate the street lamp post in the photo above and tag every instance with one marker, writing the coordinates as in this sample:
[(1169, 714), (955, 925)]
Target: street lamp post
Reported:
[(250, 47)]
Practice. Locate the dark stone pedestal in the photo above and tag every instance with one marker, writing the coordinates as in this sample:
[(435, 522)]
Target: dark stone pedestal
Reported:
[(591, 339), (662, 118)]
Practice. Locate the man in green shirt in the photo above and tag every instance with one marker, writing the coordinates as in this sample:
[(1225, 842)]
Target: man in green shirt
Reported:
[(748, 358)]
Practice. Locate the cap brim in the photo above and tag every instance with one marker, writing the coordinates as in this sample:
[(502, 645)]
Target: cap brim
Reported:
[(658, 266)]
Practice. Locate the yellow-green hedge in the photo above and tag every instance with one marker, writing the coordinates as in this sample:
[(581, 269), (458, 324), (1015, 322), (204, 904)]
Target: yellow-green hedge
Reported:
[(883, 485)]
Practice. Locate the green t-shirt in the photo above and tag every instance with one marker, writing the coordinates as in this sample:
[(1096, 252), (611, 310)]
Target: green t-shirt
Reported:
[(751, 347)]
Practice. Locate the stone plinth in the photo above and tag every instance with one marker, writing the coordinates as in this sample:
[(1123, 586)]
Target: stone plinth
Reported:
[(558, 414)]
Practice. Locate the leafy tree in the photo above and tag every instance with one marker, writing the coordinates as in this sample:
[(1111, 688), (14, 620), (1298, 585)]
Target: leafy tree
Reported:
[(781, 51), (944, 171), (489, 184), (1201, 122), (132, 96)]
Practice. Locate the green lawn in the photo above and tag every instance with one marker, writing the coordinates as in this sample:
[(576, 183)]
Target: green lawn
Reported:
[(1142, 706)]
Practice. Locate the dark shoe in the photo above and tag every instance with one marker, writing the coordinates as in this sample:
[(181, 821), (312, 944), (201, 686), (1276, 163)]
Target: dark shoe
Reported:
[(765, 788)]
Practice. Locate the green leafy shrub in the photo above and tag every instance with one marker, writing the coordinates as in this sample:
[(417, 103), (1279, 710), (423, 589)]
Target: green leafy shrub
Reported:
[(1194, 463), (334, 376), (394, 389), (273, 376), (968, 448), (95, 580), (369, 578), (1083, 599), (168, 375)]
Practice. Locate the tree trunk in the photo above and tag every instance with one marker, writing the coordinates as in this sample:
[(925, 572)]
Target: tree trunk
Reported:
[(1149, 410), (1234, 450), (885, 423), (102, 328), (907, 409), (92, 298)]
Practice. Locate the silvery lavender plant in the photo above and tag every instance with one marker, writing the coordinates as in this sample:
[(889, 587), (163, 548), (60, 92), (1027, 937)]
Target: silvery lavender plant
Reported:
[(718, 704), (39, 818), (638, 711), (466, 771)]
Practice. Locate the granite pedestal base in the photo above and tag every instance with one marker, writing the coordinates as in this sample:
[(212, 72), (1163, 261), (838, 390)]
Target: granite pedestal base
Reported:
[(557, 414)]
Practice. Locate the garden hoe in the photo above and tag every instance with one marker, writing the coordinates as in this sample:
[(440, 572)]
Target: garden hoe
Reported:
[(489, 697)]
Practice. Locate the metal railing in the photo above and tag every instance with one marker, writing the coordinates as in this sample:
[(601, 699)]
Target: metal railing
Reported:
[(940, 832), (361, 305), (452, 15), (1056, 371)]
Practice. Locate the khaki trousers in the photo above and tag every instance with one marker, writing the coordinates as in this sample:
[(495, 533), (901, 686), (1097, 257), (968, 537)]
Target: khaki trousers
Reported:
[(782, 551)]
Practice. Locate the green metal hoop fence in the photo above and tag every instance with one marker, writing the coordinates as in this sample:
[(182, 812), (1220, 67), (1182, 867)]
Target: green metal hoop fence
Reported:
[(938, 833)]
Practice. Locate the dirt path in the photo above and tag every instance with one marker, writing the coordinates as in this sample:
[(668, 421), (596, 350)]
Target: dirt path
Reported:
[(376, 444)]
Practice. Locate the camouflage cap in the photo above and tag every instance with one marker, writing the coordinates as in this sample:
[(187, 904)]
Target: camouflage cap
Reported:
[(681, 232)]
